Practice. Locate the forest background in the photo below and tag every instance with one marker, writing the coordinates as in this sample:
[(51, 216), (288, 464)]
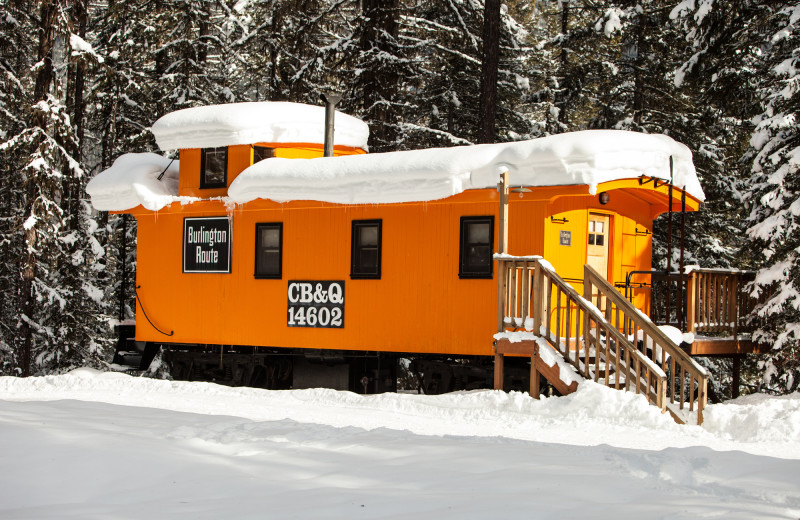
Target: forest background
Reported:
[(82, 81)]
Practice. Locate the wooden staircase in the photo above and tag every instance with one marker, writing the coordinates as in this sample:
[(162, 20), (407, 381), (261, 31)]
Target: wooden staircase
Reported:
[(599, 336)]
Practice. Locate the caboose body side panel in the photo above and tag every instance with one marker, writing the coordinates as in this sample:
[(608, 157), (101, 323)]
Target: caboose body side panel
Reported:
[(419, 304)]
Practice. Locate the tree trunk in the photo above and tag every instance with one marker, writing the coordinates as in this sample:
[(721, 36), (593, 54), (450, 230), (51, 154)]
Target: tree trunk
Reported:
[(76, 106), (44, 80), (489, 66)]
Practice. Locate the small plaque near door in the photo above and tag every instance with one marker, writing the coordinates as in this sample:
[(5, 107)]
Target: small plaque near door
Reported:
[(566, 238)]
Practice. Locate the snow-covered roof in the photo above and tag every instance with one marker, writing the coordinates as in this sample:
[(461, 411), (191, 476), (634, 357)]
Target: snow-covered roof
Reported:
[(255, 122), (133, 180), (586, 158), (589, 158)]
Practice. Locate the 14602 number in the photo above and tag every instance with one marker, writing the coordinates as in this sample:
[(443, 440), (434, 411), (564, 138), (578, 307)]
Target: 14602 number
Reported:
[(314, 316), (315, 303)]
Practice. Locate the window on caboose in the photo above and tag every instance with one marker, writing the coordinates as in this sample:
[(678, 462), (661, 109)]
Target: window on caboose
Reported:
[(365, 258), (214, 167), (476, 246), (269, 250), (262, 152)]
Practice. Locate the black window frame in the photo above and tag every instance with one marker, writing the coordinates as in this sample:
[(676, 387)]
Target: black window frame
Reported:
[(358, 272), (465, 271), (269, 276), (257, 148), (206, 185)]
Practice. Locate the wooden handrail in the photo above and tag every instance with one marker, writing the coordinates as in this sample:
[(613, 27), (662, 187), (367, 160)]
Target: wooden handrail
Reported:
[(599, 340), (528, 287), (663, 350)]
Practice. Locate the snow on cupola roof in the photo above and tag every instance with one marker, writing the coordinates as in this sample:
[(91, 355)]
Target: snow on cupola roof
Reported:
[(255, 122)]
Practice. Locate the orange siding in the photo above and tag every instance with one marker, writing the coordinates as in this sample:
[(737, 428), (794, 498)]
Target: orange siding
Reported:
[(418, 305)]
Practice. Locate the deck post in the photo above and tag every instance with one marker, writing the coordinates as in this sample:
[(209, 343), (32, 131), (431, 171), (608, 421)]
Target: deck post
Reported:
[(502, 247), (501, 296), (538, 298), (502, 187), (498, 371), (702, 397), (691, 305), (535, 372)]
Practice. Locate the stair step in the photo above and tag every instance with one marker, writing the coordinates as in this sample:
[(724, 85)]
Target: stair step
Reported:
[(611, 381)]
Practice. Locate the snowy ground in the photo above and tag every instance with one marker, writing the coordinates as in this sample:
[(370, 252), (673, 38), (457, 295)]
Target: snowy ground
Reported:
[(91, 445)]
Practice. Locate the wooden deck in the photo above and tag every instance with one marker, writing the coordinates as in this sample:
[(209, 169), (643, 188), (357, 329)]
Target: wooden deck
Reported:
[(605, 338), (715, 305), (709, 346)]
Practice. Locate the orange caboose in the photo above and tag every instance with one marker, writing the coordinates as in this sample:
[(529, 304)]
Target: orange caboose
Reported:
[(261, 262)]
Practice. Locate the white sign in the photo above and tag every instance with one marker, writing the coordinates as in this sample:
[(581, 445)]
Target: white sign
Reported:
[(207, 245), (317, 304)]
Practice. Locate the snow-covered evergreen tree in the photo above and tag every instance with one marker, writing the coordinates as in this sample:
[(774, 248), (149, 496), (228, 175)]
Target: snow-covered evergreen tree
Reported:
[(57, 326), (774, 194)]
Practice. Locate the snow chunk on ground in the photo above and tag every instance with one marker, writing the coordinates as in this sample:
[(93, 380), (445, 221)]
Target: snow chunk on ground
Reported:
[(255, 122), (133, 180), (588, 157), (756, 418)]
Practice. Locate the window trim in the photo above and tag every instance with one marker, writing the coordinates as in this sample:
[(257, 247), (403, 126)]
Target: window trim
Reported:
[(355, 244), (462, 249), (269, 276), (203, 184)]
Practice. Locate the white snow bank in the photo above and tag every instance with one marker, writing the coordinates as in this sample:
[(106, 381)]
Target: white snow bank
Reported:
[(74, 460), (133, 180), (756, 418), (255, 122), (591, 416), (580, 158)]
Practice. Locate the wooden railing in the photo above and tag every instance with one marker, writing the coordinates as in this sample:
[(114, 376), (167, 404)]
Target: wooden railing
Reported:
[(717, 302), (713, 302), (534, 297), (606, 342), (688, 381)]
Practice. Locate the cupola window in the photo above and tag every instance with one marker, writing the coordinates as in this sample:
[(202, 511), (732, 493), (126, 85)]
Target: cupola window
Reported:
[(262, 152), (214, 167)]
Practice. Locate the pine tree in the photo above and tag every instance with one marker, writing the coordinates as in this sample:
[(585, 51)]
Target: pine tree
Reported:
[(743, 56), (446, 94), (15, 35), (774, 194), (55, 326)]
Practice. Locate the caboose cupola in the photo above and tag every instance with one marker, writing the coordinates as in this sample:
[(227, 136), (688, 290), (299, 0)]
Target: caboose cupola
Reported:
[(217, 143)]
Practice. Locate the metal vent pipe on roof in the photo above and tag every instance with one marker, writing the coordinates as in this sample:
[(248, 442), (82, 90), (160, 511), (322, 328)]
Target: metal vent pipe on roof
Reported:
[(330, 101)]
